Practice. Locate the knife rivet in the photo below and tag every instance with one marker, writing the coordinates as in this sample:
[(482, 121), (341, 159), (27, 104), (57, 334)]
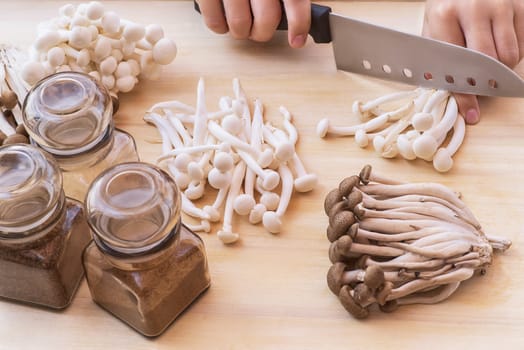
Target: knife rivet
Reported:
[(450, 79), (366, 64), (386, 68), (428, 76), (471, 81), (407, 73), (492, 83)]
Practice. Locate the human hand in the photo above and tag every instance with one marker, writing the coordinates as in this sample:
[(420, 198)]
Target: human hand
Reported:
[(257, 19), (493, 27)]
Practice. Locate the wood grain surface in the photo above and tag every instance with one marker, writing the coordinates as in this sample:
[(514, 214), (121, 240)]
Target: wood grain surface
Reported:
[(269, 291)]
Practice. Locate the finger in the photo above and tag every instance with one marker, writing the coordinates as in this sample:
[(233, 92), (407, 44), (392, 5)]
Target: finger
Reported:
[(298, 14), (478, 33), (468, 107), (441, 23), (518, 22), (506, 43), (266, 16), (238, 17), (214, 17)]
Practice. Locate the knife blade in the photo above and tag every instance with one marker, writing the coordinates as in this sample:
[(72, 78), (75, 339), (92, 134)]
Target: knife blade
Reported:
[(372, 50)]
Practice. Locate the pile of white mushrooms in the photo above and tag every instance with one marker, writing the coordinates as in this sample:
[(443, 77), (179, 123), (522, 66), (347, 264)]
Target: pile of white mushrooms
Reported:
[(252, 164), (414, 124), (89, 39), (395, 243)]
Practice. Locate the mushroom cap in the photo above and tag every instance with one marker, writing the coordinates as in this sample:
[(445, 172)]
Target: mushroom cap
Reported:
[(194, 192), (337, 208), (223, 161), (374, 277), (342, 221), (125, 84), (343, 245), (110, 22), (332, 235), (285, 151), (56, 56), (195, 171), (47, 40), (182, 180), (362, 294), (8, 99), (95, 10), (322, 127), (334, 277), (256, 214), (265, 158), (271, 222), (425, 146), (350, 304), (227, 237), (270, 200), (243, 204), (232, 124), (332, 197), (365, 174), (384, 292), (405, 147), (361, 138), (164, 51), (389, 306), (271, 179), (306, 183), (214, 214), (346, 185), (80, 37), (422, 121), (442, 160), (32, 72), (133, 32), (154, 32), (218, 179), (379, 142), (353, 199)]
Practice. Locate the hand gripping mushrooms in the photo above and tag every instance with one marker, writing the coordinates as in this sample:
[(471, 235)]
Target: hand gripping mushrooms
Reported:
[(395, 243)]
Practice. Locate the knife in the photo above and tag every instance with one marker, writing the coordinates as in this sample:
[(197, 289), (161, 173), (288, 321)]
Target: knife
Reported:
[(372, 50)]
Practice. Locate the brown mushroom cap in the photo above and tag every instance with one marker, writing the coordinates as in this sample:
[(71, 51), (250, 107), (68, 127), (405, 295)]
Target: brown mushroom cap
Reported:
[(334, 277), (341, 222), (365, 174), (333, 235), (331, 198), (350, 305), (362, 294), (20, 129), (337, 208), (353, 199), (8, 99), (346, 185), (374, 277), (389, 306), (384, 292), (16, 138)]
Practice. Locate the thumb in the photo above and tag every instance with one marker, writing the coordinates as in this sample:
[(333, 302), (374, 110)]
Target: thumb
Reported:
[(468, 107)]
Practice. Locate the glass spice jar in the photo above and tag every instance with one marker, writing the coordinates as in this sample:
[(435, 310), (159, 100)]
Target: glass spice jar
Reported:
[(42, 232), (143, 266), (69, 115)]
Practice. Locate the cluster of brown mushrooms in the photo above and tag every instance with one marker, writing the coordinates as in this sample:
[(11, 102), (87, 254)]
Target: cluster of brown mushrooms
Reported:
[(395, 243), (12, 92)]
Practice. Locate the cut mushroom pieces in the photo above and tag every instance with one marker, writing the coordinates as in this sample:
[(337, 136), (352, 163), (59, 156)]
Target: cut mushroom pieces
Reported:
[(396, 243), (427, 126), (250, 164)]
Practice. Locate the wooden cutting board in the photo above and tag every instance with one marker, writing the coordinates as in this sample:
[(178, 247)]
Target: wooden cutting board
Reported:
[(269, 291)]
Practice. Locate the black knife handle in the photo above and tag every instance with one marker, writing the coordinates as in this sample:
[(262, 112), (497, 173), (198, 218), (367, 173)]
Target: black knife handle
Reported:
[(319, 30)]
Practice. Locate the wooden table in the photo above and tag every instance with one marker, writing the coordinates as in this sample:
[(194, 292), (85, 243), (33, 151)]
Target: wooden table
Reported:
[(270, 292)]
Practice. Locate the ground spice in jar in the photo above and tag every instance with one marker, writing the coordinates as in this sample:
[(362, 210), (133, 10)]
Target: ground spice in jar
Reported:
[(42, 233), (144, 266)]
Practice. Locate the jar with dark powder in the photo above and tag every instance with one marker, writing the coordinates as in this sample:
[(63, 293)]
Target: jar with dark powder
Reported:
[(143, 266), (69, 115), (42, 232)]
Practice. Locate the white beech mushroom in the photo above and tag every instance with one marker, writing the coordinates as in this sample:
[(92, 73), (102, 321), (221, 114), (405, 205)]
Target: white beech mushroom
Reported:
[(416, 129), (94, 40), (204, 149), (419, 240)]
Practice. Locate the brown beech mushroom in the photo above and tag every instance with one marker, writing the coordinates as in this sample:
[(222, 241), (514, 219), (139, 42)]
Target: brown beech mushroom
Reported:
[(396, 243)]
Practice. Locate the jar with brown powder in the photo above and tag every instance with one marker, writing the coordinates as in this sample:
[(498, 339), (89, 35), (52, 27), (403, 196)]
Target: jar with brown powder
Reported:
[(143, 266), (42, 232), (70, 115)]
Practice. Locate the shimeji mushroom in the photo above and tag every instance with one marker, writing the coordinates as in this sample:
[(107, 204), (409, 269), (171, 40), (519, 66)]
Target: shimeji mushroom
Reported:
[(417, 129), (420, 238), (202, 148), (90, 35)]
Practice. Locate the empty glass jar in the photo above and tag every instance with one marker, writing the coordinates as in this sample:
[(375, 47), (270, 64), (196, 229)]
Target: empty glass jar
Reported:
[(69, 115), (42, 233), (144, 266)]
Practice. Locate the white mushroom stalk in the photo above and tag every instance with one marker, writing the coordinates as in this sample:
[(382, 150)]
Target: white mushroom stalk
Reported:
[(420, 123), (90, 39), (250, 166), (398, 243)]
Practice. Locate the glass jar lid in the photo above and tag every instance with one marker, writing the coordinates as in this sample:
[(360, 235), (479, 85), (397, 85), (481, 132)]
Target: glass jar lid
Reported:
[(132, 207), (67, 112), (30, 187)]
